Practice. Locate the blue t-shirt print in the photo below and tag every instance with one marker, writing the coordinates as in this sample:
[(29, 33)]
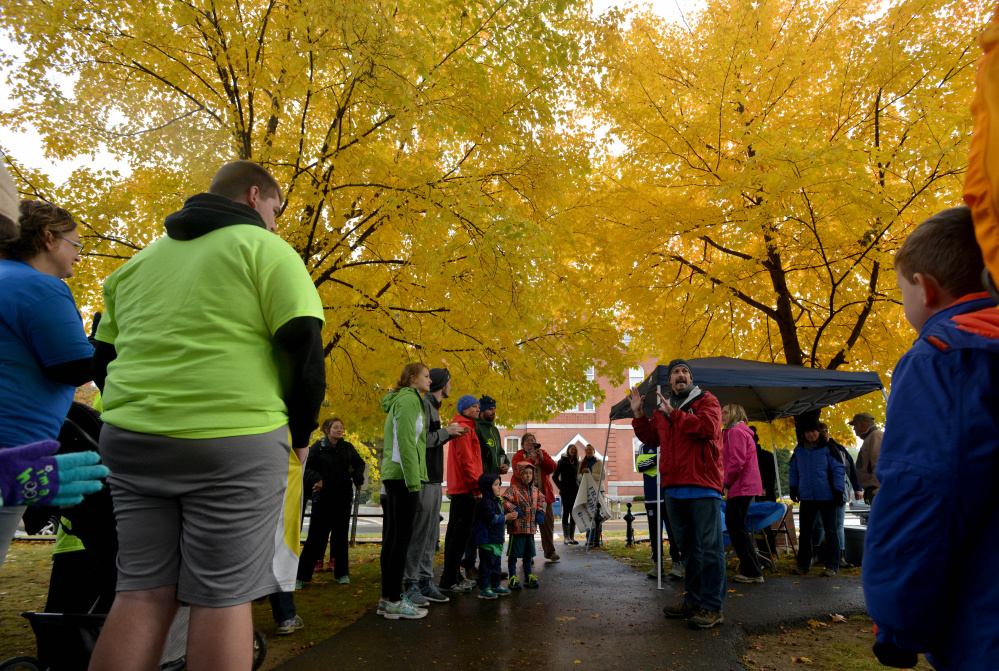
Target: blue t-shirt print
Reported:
[(40, 326)]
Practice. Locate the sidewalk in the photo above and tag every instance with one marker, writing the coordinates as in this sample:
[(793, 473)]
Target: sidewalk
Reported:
[(591, 609)]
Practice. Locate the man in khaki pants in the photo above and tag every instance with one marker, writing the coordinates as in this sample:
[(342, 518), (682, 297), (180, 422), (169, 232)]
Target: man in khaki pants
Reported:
[(865, 428)]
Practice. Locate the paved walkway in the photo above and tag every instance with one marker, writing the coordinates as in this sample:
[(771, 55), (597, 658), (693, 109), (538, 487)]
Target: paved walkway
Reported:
[(591, 612)]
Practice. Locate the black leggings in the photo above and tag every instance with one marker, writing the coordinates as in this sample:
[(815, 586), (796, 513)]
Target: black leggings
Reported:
[(330, 521), (736, 512), (397, 531)]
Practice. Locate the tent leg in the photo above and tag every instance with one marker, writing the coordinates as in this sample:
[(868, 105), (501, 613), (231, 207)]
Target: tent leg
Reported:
[(773, 447)]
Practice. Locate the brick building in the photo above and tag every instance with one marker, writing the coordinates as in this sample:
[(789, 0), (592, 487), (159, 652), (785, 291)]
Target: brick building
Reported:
[(587, 423)]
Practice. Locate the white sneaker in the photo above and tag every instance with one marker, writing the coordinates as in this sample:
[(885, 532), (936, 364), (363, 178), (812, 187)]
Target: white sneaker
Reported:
[(404, 610), (290, 626)]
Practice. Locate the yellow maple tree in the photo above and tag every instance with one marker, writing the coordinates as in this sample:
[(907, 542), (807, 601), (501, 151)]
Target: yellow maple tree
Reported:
[(421, 148), (769, 159)]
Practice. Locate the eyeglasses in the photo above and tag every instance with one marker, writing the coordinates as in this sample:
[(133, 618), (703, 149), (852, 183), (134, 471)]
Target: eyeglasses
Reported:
[(79, 245)]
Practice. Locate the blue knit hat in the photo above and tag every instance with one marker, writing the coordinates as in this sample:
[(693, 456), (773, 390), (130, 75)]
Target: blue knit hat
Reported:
[(466, 402), (487, 402)]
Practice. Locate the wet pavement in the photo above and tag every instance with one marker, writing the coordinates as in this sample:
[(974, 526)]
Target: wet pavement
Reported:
[(591, 612)]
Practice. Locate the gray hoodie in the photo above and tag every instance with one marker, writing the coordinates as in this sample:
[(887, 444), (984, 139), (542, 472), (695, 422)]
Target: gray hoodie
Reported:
[(436, 437)]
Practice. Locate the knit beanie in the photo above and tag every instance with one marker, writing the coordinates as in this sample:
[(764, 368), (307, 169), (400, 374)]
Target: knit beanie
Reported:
[(679, 362), (487, 402), (805, 424), (439, 378), (466, 402)]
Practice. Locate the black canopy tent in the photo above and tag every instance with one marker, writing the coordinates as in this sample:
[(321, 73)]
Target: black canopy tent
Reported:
[(767, 391)]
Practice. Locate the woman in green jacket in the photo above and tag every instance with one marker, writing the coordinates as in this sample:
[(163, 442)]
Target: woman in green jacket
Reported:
[(404, 470)]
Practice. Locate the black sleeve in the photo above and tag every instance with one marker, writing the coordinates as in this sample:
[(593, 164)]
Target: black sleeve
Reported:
[(357, 465), (298, 346), (313, 466), (73, 373), (104, 354)]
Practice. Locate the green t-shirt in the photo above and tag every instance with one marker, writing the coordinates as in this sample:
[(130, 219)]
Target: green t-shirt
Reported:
[(193, 324)]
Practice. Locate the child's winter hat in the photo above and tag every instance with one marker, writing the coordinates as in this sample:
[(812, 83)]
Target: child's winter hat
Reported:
[(466, 402), (486, 481)]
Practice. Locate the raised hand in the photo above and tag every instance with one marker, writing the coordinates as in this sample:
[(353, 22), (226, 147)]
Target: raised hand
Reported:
[(635, 399)]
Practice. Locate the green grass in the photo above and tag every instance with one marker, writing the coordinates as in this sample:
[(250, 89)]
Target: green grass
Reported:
[(24, 586)]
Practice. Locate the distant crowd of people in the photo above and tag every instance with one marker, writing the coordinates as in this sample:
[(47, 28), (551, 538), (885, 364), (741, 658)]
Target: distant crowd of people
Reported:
[(210, 364)]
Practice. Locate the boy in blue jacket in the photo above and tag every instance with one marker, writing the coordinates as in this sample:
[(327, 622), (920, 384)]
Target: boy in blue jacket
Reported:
[(938, 464), (490, 519)]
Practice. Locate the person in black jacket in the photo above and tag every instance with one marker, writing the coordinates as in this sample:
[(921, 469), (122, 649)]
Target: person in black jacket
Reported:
[(568, 488), (333, 466), (768, 475)]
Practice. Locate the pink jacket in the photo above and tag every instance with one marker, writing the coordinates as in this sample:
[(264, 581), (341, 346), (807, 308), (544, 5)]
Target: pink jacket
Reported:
[(742, 472)]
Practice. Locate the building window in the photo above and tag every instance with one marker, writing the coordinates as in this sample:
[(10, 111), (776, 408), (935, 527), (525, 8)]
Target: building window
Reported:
[(636, 447), (512, 446), (635, 377), (590, 404)]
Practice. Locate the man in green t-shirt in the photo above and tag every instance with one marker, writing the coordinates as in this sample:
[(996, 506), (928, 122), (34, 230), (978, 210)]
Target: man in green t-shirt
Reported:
[(210, 363)]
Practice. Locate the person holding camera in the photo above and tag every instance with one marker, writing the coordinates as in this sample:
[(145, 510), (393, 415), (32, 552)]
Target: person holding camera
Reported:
[(530, 451)]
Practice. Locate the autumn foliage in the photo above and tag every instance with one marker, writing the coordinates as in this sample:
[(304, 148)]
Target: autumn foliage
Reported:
[(516, 189)]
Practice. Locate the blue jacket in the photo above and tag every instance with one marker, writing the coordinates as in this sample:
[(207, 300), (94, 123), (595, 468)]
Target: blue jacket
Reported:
[(490, 522), (811, 471), (933, 534)]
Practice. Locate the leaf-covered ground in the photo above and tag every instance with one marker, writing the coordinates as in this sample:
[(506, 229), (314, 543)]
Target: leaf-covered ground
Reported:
[(842, 645), (835, 646)]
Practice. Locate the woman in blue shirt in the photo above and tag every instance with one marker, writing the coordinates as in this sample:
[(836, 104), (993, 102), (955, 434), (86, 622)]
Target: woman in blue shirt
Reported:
[(44, 353)]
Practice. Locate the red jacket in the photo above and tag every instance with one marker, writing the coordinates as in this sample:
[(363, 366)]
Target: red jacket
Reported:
[(464, 460), (689, 441), (547, 468)]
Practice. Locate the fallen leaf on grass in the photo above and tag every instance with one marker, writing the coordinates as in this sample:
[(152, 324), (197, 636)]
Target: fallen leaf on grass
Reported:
[(837, 618), (801, 660), (564, 618)]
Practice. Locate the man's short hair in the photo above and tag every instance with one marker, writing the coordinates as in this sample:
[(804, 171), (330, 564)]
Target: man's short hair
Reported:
[(944, 246), (235, 178)]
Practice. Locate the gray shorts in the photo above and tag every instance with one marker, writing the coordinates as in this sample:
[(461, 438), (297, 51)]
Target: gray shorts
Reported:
[(218, 517)]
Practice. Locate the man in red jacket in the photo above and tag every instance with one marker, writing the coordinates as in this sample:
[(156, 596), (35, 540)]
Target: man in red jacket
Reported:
[(464, 466), (688, 431)]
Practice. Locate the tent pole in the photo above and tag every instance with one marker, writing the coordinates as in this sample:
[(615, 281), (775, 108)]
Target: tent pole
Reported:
[(885, 394), (773, 447), (659, 522)]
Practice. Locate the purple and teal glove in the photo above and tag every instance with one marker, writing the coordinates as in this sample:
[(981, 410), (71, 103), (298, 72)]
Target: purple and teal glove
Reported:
[(35, 475)]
